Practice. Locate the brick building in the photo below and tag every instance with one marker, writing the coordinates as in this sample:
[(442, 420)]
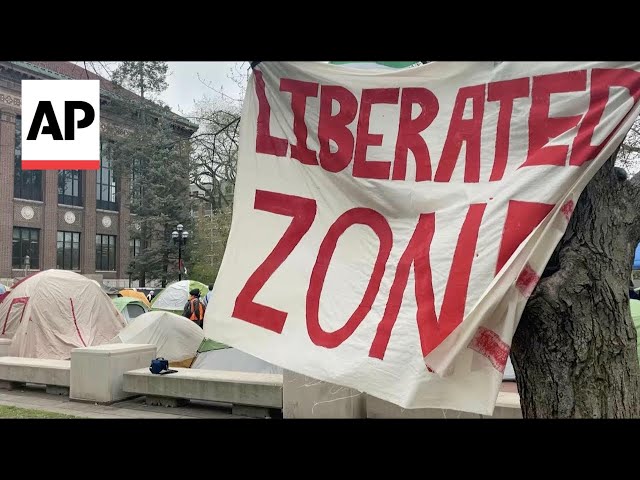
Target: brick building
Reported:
[(73, 220)]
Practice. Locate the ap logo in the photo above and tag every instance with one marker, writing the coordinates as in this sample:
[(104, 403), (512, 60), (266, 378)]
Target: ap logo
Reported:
[(60, 124)]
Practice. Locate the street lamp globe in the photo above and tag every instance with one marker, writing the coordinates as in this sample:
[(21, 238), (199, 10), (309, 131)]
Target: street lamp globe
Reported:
[(174, 235), (179, 227)]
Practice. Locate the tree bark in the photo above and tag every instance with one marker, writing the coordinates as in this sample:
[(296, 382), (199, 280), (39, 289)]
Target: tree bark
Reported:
[(574, 352)]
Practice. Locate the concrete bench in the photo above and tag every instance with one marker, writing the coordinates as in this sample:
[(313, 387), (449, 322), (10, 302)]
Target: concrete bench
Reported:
[(306, 397), (507, 406), (250, 394), (16, 372), (96, 372)]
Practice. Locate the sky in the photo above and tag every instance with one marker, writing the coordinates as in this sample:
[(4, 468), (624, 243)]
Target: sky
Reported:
[(191, 81), (187, 82)]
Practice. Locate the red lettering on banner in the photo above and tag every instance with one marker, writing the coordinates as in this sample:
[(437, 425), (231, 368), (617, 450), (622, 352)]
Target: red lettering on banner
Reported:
[(601, 81), (463, 130), (300, 91), (504, 92), (522, 218), (489, 344), (361, 166), (527, 281), (265, 142), (432, 330), (567, 209), (409, 133), (355, 216), (303, 211), (541, 126), (335, 127)]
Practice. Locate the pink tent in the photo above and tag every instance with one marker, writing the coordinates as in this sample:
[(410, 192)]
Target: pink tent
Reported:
[(54, 311)]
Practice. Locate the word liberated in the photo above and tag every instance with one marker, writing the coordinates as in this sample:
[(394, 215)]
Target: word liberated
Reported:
[(462, 131)]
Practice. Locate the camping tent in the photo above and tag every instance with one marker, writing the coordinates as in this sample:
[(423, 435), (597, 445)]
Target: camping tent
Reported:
[(233, 360), (636, 259), (130, 308), (147, 290), (216, 356), (177, 339), (176, 295), (2, 289), (110, 291), (137, 295), (51, 312)]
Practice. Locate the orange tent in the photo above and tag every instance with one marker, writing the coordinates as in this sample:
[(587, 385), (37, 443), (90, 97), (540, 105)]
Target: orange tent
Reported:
[(137, 295)]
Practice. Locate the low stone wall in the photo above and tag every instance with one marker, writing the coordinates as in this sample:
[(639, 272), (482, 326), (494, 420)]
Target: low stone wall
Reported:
[(306, 397), (507, 406), (109, 373)]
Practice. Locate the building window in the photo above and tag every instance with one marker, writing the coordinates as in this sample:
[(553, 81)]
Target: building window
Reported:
[(70, 187), (27, 184), (26, 242), (69, 250), (134, 247), (106, 182), (106, 253)]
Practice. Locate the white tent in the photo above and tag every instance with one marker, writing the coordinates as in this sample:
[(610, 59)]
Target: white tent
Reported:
[(176, 295), (177, 338), (50, 313), (233, 360)]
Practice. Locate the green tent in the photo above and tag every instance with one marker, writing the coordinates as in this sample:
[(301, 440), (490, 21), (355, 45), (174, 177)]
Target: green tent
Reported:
[(175, 296), (129, 307), (207, 345)]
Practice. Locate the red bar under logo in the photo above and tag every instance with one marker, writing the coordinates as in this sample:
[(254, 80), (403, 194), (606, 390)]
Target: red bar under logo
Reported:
[(60, 164)]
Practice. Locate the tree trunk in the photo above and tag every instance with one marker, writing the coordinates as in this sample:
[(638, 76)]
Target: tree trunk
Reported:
[(574, 352)]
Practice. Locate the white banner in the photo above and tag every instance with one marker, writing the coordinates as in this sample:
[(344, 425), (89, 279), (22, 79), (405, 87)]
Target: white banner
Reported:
[(388, 227)]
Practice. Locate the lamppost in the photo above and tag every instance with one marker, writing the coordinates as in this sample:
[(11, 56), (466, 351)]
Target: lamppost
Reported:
[(27, 264), (130, 272), (180, 237)]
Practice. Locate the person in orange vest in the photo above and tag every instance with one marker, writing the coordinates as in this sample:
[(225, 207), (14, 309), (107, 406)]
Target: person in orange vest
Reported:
[(194, 309)]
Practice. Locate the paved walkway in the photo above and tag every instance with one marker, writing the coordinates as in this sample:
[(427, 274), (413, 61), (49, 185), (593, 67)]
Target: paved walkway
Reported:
[(37, 399)]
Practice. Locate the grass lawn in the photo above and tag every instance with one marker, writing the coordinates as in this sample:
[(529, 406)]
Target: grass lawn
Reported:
[(15, 412)]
